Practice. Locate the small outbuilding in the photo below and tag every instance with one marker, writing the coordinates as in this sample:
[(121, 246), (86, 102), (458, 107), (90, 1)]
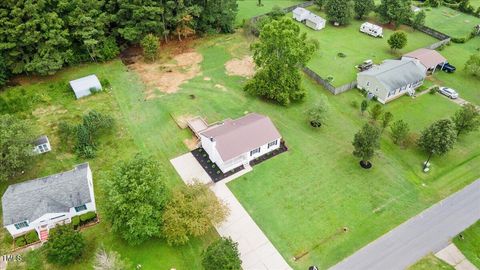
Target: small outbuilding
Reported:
[(315, 22), (430, 59), (84, 86), (300, 14), (371, 29), (41, 145)]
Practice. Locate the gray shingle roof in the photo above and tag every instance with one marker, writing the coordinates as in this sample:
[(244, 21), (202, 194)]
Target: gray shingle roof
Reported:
[(82, 86), (40, 140), (52, 194), (397, 73)]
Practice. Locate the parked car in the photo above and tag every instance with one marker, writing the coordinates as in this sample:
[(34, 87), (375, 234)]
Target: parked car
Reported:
[(449, 92), (448, 68)]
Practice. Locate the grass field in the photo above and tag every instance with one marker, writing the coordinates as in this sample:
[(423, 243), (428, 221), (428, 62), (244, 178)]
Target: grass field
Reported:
[(248, 8), (357, 47), (470, 244), (431, 262), (450, 22), (301, 199), (465, 84), (54, 101)]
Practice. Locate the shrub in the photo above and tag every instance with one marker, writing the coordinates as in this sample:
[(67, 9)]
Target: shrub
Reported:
[(84, 218), (31, 237), (222, 255), (105, 82), (75, 221), (354, 104), (20, 241), (341, 55), (65, 245)]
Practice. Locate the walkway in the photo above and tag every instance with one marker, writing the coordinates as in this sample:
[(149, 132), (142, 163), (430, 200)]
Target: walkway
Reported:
[(453, 256), (256, 251), (430, 231)]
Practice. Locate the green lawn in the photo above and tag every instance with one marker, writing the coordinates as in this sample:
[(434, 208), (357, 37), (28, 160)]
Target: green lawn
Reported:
[(470, 244), (431, 262), (450, 22), (52, 101), (466, 84), (357, 47), (248, 8)]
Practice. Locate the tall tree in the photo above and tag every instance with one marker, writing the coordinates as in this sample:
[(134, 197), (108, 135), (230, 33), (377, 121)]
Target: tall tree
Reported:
[(222, 255), (395, 11), (419, 19), (109, 260), (281, 51), (191, 211), (16, 137), (365, 142), (64, 246), (472, 66), (363, 7), (467, 119), (320, 3), (438, 138), (386, 119), (363, 106), (3, 72), (217, 16), (136, 197), (398, 40), (339, 11), (318, 113)]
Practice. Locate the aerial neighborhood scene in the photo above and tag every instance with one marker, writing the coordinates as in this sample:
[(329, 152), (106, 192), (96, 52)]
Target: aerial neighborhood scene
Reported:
[(240, 134)]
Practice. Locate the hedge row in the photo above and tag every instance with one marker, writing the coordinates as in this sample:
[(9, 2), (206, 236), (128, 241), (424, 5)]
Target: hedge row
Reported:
[(83, 219), (29, 238)]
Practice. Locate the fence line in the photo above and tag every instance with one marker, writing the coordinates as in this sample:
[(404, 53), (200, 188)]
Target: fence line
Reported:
[(334, 90)]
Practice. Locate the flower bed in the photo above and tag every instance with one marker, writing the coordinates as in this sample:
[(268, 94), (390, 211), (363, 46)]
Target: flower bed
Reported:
[(269, 155), (210, 167)]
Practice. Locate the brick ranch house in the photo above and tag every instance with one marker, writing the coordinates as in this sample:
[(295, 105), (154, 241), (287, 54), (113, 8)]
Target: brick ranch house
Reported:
[(234, 143), (42, 203)]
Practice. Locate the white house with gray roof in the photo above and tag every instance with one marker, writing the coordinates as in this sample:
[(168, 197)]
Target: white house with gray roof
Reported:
[(392, 79), (233, 143), (42, 203)]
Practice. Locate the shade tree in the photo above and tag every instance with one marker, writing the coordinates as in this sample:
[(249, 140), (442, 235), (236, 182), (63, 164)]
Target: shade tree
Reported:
[(437, 139), (467, 119), (365, 142)]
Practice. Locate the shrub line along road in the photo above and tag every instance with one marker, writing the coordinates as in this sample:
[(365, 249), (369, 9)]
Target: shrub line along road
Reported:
[(430, 231)]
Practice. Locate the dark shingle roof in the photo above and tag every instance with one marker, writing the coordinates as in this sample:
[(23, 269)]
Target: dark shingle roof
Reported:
[(40, 140), (52, 194)]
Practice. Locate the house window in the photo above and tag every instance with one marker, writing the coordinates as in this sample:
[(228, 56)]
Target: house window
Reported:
[(270, 144), (80, 208), (20, 225), (254, 151)]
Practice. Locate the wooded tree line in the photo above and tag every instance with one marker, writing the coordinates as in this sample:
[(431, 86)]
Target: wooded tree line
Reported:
[(40, 37)]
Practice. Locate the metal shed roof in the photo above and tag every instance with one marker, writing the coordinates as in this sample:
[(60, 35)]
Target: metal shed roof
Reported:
[(82, 86)]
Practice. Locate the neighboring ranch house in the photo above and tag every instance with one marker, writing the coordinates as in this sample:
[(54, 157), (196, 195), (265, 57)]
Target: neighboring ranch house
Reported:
[(41, 145), (392, 79), (315, 22), (234, 143), (43, 203), (430, 59), (300, 14), (83, 87)]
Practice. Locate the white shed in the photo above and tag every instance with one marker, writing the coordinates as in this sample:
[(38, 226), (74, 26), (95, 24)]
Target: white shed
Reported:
[(371, 29), (300, 14), (315, 22), (83, 86)]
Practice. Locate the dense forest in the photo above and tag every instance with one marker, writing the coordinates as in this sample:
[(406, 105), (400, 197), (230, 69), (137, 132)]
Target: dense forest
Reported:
[(42, 36)]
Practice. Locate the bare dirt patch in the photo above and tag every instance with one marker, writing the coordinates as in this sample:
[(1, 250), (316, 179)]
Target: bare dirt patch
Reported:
[(167, 77), (207, 78), (49, 110), (221, 87), (191, 143), (244, 67)]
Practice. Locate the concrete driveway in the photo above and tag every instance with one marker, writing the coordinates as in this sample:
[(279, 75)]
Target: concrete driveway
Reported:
[(256, 251), (189, 169)]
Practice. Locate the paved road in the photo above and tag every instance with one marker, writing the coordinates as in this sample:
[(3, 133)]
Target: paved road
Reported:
[(430, 231)]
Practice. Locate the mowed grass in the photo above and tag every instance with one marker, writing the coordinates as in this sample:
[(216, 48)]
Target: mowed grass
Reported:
[(303, 198), (451, 22), (470, 243), (357, 47), (465, 84), (249, 8), (55, 102), (431, 262)]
